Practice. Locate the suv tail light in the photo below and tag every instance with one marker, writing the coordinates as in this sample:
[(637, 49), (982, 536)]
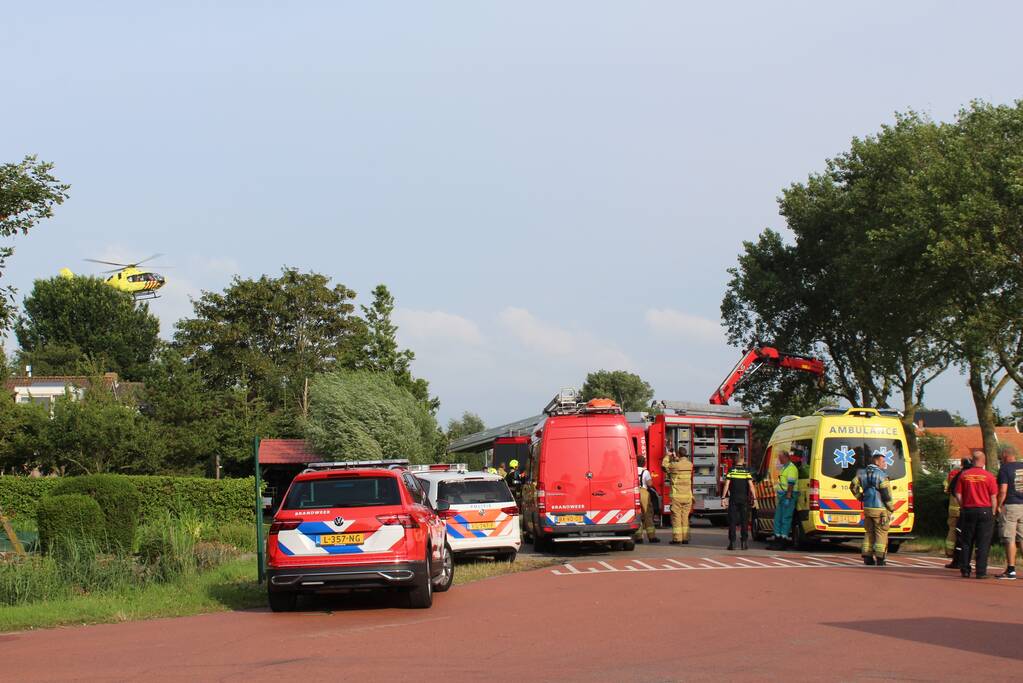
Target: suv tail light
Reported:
[(404, 520), (909, 488), (511, 510), (285, 525), (814, 492)]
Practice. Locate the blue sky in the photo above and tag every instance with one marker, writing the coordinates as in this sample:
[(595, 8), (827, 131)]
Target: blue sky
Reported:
[(547, 188)]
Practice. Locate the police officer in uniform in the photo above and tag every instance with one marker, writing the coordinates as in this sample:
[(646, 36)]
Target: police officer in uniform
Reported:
[(738, 496), (872, 488), (678, 469)]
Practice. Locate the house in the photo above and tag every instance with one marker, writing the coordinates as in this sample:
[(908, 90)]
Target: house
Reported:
[(279, 461), (46, 389), (965, 441), (927, 419)]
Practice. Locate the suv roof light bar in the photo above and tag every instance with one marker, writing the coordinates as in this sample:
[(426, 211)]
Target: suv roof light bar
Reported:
[(440, 467), (392, 464)]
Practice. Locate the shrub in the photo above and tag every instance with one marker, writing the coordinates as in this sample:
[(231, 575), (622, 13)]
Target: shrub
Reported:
[(29, 579), (167, 548), (930, 504), (72, 517), (240, 535), (117, 497), (213, 554), (219, 499)]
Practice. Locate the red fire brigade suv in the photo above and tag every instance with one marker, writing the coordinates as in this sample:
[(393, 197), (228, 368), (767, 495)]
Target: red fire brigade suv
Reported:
[(355, 528)]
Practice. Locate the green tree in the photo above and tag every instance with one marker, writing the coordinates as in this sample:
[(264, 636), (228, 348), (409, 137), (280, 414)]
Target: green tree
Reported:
[(382, 350), (28, 193), (357, 415), (271, 335), (108, 328), (628, 389), (96, 434), (468, 423), (854, 287), (195, 427), (978, 249), (24, 437), (1017, 403)]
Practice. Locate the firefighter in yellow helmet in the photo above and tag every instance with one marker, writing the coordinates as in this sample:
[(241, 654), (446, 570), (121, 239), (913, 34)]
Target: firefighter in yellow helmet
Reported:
[(871, 487), (514, 480), (678, 470)]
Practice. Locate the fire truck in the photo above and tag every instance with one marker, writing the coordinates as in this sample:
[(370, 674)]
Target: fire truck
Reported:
[(713, 434)]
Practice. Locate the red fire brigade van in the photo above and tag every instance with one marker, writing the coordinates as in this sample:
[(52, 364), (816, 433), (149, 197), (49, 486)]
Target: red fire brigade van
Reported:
[(581, 476), (712, 436)]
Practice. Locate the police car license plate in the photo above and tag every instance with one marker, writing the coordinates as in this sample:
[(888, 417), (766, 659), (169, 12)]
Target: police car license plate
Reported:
[(342, 539), (843, 519), (482, 526), (570, 519)]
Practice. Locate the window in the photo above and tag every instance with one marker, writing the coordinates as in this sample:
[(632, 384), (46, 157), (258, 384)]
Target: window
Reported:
[(463, 492), (843, 458), (343, 492), (414, 489)]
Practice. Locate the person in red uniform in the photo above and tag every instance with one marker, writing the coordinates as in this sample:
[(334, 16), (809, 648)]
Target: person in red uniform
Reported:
[(977, 492)]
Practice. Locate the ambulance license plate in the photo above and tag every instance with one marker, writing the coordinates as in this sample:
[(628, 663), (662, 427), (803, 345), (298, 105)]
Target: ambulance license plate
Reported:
[(570, 519), (482, 526), (342, 539), (843, 519)]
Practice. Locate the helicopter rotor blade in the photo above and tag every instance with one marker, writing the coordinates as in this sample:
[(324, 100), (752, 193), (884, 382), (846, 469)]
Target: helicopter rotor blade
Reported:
[(148, 258), (108, 263)]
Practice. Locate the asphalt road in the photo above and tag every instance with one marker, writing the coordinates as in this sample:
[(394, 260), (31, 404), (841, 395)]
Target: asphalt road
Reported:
[(661, 613)]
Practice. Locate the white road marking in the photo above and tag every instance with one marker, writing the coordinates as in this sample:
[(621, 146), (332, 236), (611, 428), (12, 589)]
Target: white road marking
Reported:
[(735, 562)]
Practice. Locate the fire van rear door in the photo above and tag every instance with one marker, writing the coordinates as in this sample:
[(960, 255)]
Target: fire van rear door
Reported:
[(613, 476), (566, 466)]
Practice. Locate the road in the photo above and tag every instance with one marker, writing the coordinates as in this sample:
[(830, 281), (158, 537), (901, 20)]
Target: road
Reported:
[(662, 613)]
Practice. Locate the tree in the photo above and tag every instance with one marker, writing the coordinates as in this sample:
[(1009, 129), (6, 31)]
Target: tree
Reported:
[(861, 232), (382, 350), (28, 193), (469, 423), (360, 415), (1017, 404), (979, 247), (97, 434), (271, 335), (106, 328), (628, 389), (197, 428)]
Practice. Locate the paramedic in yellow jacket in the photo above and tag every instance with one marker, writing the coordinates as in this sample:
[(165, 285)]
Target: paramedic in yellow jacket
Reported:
[(679, 472)]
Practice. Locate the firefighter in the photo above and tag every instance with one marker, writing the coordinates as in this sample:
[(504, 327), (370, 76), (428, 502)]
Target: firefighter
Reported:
[(738, 497), (647, 501), (501, 472), (785, 501), (953, 539), (679, 472), (871, 487), (514, 481)]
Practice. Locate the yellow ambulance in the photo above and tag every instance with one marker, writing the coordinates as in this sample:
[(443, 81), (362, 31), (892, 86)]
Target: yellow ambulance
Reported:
[(829, 448)]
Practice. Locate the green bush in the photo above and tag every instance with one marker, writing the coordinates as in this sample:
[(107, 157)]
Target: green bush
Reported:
[(19, 496), (31, 579), (930, 504), (240, 535), (117, 497), (167, 548), (71, 517), (223, 499)]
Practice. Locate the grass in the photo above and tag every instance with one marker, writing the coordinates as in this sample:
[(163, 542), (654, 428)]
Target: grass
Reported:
[(477, 571), (228, 587), (935, 545)]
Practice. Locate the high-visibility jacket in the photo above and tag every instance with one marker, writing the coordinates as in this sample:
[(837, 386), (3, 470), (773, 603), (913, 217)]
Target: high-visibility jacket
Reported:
[(788, 475), (680, 475)]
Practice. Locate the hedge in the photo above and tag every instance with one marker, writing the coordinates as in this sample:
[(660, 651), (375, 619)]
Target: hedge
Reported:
[(223, 499), (74, 516), (118, 498)]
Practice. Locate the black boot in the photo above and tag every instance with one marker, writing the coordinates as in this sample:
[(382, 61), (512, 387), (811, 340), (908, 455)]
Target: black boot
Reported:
[(744, 547), (880, 562), (655, 540), (731, 545), (869, 560)]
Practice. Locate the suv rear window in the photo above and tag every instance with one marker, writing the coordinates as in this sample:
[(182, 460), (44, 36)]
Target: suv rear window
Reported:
[(474, 492), (843, 458), (347, 492)]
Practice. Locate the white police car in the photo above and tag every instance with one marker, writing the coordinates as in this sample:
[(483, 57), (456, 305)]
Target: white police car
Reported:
[(482, 519)]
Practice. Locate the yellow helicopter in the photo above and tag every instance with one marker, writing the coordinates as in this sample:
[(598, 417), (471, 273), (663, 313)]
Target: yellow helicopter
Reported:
[(129, 278)]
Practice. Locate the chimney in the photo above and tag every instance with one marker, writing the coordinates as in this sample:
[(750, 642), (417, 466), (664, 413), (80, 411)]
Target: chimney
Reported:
[(28, 370)]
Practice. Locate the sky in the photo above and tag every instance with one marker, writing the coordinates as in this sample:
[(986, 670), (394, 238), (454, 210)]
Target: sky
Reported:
[(546, 188)]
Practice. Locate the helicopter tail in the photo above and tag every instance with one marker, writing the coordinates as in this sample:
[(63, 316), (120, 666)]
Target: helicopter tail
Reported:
[(66, 273)]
